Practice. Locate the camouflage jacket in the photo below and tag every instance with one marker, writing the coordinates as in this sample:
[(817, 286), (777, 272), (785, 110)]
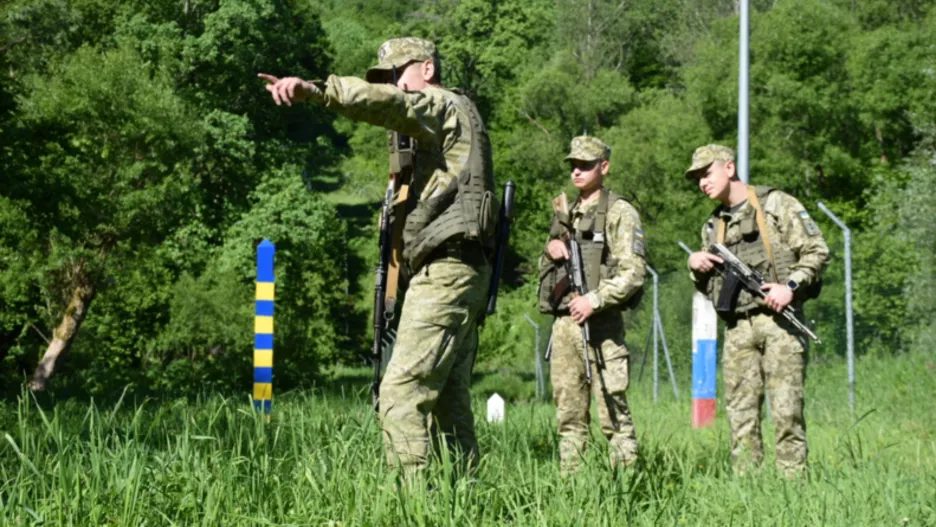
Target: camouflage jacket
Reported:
[(626, 253), (789, 227), (429, 116)]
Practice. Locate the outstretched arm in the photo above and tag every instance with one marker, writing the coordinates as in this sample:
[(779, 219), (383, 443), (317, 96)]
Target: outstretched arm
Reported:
[(291, 89), (422, 114)]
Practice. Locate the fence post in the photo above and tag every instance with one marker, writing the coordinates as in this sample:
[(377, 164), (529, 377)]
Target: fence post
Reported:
[(849, 315), (540, 383)]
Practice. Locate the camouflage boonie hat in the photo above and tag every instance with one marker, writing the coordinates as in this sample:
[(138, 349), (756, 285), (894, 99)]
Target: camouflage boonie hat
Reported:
[(587, 148), (398, 52), (706, 155)]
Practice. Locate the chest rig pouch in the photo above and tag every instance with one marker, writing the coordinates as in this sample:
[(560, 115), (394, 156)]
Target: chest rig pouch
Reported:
[(753, 244), (467, 208), (555, 283)]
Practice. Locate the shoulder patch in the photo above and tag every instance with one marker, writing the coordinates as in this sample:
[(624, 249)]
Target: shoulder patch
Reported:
[(640, 247), (808, 223)]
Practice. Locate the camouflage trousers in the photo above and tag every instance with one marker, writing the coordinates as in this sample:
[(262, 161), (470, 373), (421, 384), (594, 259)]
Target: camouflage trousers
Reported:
[(572, 393), (763, 350), (425, 390)]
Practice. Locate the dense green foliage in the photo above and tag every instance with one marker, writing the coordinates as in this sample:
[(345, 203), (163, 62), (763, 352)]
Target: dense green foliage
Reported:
[(320, 463), (139, 152)]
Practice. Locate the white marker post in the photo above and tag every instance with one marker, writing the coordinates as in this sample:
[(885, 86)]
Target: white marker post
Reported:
[(495, 409)]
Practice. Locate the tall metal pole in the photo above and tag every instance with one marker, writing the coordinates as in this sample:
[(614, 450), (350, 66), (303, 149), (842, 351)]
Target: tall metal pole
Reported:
[(744, 60), (849, 315)]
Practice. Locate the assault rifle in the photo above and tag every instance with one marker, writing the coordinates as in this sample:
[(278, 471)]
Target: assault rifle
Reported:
[(392, 217), (736, 274), (575, 269), (502, 241)]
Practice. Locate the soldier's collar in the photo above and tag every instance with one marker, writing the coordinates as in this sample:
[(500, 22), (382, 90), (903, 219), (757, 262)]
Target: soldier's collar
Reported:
[(738, 210)]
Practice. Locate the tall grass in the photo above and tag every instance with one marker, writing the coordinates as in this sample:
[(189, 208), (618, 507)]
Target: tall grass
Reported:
[(320, 462)]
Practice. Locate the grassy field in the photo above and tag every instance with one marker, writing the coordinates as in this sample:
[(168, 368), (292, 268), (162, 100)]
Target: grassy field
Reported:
[(319, 462)]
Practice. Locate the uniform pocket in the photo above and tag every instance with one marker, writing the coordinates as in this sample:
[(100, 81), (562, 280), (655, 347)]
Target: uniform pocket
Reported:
[(487, 219), (445, 274), (424, 339), (617, 370)]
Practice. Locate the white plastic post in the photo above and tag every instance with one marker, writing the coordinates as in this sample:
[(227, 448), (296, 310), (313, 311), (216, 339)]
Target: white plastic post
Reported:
[(495, 409)]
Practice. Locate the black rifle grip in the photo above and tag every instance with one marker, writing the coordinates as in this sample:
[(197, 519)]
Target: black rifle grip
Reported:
[(728, 296)]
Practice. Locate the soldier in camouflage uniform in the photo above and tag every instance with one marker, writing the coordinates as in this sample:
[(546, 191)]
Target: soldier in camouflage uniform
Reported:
[(447, 236), (612, 243), (762, 350)]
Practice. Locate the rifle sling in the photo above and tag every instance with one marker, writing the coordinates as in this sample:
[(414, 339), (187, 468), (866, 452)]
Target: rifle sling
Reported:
[(761, 226), (396, 248)]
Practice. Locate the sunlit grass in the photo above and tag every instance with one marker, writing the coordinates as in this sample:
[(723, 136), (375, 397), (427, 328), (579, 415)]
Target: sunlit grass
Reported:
[(320, 462)]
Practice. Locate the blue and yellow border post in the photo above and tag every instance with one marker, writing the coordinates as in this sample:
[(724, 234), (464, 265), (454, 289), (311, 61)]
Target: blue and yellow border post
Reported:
[(263, 329)]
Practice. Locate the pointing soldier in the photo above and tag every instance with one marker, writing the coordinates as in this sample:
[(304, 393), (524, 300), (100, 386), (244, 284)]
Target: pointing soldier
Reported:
[(771, 232), (607, 229), (447, 235)]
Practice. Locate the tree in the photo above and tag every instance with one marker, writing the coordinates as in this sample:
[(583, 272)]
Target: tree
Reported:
[(156, 129), (112, 141)]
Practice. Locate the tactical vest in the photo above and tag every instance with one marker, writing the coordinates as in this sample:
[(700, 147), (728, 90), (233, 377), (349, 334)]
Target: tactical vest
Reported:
[(748, 245), (596, 257), (467, 208)]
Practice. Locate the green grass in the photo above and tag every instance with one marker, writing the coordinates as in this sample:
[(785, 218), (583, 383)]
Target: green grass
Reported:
[(319, 462)]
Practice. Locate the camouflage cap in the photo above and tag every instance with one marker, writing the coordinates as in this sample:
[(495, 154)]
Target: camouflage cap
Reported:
[(587, 148), (706, 155), (398, 52)]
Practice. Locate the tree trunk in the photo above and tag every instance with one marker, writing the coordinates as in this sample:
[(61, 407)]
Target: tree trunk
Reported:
[(880, 139), (81, 297)]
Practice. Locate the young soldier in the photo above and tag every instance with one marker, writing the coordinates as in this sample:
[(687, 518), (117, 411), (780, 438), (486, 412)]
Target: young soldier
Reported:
[(608, 231), (448, 232), (761, 347)]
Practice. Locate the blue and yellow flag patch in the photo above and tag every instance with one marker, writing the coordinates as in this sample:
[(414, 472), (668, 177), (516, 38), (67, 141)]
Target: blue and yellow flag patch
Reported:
[(640, 247), (808, 223)]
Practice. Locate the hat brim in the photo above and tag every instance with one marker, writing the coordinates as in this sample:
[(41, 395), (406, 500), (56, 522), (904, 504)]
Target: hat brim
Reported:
[(382, 73), (379, 73), (693, 172), (580, 158)]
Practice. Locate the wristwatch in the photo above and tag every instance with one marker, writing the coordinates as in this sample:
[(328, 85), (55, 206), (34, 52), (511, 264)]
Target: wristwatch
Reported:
[(792, 284)]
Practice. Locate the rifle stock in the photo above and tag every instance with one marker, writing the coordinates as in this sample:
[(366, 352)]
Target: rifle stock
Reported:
[(392, 219)]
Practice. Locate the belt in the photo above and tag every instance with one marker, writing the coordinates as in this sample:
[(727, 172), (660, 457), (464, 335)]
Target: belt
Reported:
[(468, 251), (734, 317)]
